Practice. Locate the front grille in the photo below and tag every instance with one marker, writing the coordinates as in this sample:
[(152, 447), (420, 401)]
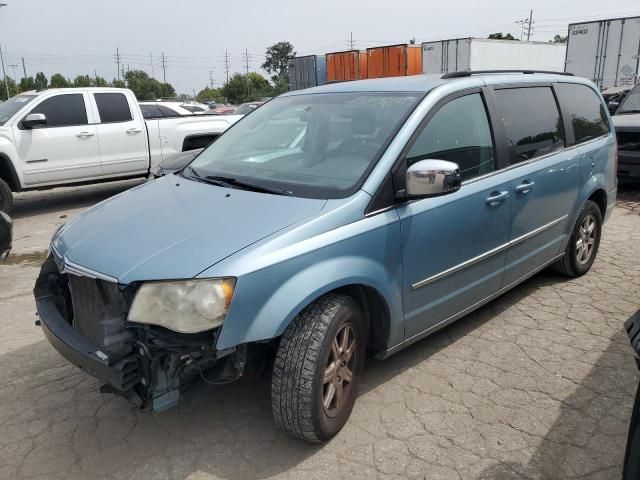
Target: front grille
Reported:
[(99, 312), (628, 141)]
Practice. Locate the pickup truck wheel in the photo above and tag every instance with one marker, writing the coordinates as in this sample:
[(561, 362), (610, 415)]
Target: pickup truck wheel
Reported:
[(583, 244), (6, 197), (317, 368)]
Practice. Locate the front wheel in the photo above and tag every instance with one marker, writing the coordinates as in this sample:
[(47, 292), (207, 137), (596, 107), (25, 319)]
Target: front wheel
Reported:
[(317, 368), (6, 197), (583, 244)]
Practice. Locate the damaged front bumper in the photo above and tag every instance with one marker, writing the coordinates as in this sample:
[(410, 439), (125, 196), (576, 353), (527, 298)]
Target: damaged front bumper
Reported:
[(84, 319)]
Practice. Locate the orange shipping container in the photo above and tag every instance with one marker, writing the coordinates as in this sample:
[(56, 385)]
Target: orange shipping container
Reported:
[(346, 65), (394, 61)]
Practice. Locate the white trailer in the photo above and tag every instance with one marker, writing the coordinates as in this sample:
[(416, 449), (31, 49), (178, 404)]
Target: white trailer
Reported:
[(605, 51), (459, 54)]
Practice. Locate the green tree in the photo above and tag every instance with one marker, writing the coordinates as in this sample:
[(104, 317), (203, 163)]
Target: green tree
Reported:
[(82, 81), (245, 88), (41, 81), (13, 88), (118, 83), (277, 60), (146, 88), (560, 39), (27, 84), (502, 36), (99, 82), (58, 81), (209, 95)]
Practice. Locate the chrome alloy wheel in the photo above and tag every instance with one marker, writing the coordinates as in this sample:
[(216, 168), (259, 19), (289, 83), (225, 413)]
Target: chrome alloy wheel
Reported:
[(586, 240), (339, 372)]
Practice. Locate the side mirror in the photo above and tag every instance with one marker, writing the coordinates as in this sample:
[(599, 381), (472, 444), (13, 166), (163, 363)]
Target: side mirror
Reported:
[(428, 178), (34, 120), (613, 106)]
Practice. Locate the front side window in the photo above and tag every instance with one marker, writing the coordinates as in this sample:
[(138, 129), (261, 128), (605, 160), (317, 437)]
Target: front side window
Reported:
[(63, 110), (631, 104), (316, 145), (459, 132), (12, 106), (532, 122), (586, 111), (113, 107)]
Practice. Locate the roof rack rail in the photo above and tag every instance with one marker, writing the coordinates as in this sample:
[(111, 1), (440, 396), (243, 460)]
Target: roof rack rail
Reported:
[(468, 73)]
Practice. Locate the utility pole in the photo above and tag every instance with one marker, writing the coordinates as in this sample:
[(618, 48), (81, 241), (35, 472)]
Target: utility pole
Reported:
[(164, 68), (211, 79), (246, 58), (4, 73), (522, 24), (124, 77), (117, 59), (351, 42), (530, 25), (13, 66), (226, 63), (151, 63), (24, 69)]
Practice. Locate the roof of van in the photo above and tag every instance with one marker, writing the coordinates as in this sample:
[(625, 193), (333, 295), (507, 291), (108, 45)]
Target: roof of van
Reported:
[(425, 83)]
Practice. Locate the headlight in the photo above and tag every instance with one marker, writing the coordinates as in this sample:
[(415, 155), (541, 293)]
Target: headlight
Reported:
[(187, 306)]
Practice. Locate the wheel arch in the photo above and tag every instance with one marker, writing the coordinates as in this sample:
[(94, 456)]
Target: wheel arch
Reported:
[(599, 197), (8, 173)]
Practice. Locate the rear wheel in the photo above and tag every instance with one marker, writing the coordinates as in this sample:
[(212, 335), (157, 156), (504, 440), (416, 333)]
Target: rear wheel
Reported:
[(317, 368), (583, 244), (6, 197)]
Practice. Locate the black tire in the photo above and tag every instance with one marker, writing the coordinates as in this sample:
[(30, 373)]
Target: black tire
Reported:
[(6, 197), (570, 265), (298, 385)]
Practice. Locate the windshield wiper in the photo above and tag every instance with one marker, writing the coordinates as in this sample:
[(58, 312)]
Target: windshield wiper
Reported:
[(234, 182)]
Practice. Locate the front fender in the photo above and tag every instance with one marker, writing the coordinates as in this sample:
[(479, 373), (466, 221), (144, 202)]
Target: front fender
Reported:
[(268, 299), (9, 154)]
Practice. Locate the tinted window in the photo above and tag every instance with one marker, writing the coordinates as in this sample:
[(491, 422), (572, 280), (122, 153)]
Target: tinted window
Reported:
[(150, 111), (9, 108), (167, 112), (63, 110), (631, 104), (531, 120), (586, 112), (458, 132), (113, 107)]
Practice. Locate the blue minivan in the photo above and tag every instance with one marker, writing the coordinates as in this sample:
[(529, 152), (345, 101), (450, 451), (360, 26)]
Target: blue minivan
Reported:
[(332, 223)]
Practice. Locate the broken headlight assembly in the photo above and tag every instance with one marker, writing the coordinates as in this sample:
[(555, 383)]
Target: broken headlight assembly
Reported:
[(189, 306)]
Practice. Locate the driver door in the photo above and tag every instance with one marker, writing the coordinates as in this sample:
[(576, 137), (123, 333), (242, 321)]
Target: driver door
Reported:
[(66, 149), (454, 245)]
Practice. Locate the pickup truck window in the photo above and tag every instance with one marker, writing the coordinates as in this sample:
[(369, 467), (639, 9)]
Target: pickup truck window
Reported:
[(531, 120), (588, 115), (631, 104), (9, 108), (314, 145), (150, 111), (113, 107), (167, 112), (64, 110)]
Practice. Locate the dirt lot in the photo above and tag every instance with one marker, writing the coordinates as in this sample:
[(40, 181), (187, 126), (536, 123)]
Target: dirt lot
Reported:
[(537, 384)]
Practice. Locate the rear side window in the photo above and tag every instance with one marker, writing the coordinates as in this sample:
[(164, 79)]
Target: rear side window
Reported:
[(532, 122), (459, 132), (113, 107), (586, 111), (167, 112), (150, 111), (64, 110)]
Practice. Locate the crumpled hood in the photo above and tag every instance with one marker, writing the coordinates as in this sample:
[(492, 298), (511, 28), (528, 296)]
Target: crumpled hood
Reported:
[(174, 228)]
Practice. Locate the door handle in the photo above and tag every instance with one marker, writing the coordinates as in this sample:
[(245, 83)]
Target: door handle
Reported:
[(525, 187), (133, 131), (496, 198), (85, 134)]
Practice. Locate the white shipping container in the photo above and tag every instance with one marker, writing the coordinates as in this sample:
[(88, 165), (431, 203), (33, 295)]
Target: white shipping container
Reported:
[(459, 54), (605, 51)]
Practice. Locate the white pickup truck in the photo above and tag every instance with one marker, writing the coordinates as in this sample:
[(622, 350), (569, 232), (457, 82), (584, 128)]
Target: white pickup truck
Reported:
[(80, 135)]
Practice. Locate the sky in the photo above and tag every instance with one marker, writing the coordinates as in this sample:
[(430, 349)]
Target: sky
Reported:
[(81, 36)]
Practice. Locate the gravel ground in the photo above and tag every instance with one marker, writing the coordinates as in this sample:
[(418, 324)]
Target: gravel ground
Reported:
[(537, 384)]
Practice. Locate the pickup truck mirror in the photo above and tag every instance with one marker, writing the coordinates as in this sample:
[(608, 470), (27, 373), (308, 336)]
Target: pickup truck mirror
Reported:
[(613, 106), (34, 120), (428, 178)]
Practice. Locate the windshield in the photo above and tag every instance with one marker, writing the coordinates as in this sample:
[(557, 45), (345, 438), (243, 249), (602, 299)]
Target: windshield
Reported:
[(631, 104), (317, 146), (9, 108)]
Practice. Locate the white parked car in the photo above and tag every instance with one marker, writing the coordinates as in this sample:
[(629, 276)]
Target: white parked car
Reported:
[(77, 135), (162, 109)]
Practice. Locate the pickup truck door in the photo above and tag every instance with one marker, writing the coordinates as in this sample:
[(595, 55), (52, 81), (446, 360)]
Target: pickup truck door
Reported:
[(66, 149), (122, 134)]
